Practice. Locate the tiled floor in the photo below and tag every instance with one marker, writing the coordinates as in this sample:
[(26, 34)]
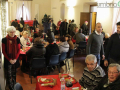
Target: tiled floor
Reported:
[(77, 71)]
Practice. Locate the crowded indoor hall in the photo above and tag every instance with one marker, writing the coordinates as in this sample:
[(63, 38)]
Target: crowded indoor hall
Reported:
[(60, 45)]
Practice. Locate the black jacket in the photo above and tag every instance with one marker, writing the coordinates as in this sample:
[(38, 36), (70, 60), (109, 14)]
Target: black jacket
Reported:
[(64, 26), (113, 48), (112, 86), (37, 50), (51, 49), (15, 24)]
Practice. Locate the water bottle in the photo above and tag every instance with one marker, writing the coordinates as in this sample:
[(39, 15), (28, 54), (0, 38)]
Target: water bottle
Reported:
[(62, 83)]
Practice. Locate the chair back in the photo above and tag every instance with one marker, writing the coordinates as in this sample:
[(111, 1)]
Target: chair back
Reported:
[(54, 59), (71, 53), (82, 44), (63, 56), (38, 63), (17, 86)]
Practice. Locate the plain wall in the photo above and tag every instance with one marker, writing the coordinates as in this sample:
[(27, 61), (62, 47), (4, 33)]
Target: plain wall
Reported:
[(44, 8)]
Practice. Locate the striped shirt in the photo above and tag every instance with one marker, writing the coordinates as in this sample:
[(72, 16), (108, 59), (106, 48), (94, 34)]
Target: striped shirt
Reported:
[(90, 79)]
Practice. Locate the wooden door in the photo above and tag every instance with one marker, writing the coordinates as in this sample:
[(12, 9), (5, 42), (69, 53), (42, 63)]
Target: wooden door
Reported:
[(84, 16), (94, 14)]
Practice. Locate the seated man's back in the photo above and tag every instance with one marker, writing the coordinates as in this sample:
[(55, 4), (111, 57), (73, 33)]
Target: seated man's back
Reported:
[(79, 36)]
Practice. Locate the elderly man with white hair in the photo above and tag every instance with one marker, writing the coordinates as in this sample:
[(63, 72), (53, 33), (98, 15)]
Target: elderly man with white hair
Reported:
[(111, 81), (11, 51), (92, 74), (25, 40)]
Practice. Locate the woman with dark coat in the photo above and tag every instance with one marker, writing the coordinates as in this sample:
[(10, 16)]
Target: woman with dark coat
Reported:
[(51, 49), (11, 51), (37, 50)]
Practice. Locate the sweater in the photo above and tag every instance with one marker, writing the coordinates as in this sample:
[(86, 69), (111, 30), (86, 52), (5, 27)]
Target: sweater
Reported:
[(112, 86), (79, 37), (113, 48), (90, 79), (24, 42), (95, 44), (63, 47)]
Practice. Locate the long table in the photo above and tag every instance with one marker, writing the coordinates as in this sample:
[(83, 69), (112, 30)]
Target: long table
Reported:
[(56, 87)]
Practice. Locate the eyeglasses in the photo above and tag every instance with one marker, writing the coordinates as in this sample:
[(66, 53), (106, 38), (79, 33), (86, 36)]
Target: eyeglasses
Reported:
[(112, 72)]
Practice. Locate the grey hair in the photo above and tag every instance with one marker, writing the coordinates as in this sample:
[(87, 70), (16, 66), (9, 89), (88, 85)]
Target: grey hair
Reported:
[(10, 28), (115, 65), (91, 57)]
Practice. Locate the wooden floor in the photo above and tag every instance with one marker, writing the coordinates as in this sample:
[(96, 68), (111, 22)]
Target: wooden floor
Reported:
[(79, 64)]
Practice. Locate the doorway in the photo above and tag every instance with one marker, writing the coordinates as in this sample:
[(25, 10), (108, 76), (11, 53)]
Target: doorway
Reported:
[(90, 17), (85, 16)]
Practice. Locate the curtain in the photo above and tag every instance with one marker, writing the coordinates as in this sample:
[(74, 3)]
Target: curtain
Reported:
[(116, 17), (27, 10), (19, 5)]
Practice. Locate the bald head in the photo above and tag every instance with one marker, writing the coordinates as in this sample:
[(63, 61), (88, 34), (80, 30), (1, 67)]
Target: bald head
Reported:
[(98, 27)]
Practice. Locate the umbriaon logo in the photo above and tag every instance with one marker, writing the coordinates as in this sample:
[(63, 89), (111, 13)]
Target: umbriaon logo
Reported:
[(109, 5)]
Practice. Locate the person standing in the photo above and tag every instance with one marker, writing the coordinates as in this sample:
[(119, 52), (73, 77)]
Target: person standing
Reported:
[(95, 43), (72, 26), (85, 28), (63, 28), (11, 51), (35, 23), (59, 22), (22, 21), (69, 27), (113, 48), (14, 23)]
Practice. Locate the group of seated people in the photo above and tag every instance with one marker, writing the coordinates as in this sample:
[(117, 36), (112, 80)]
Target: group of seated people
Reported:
[(45, 45), (94, 77)]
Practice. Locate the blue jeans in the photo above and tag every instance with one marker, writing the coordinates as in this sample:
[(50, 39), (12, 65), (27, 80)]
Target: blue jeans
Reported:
[(98, 58)]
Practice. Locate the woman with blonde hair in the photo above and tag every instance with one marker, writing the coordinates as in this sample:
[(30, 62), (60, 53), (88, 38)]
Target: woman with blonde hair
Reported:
[(25, 42)]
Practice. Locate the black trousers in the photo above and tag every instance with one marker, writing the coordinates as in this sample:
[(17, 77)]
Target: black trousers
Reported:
[(10, 74)]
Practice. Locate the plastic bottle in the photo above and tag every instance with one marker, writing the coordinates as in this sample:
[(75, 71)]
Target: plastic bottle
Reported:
[(63, 83)]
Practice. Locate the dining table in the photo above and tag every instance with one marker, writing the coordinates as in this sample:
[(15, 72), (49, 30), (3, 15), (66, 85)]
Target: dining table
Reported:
[(23, 57), (57, 86)]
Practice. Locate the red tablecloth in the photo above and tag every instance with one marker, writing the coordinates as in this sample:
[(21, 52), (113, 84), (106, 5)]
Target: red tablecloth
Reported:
[(23, 54), (56, 87), (29, 22)]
